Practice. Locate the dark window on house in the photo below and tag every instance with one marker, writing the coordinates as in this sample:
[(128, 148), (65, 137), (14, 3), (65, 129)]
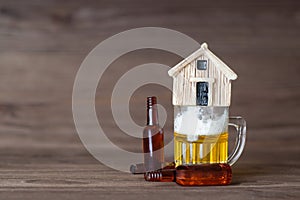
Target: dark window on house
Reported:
[(202, 93), (201, 64)]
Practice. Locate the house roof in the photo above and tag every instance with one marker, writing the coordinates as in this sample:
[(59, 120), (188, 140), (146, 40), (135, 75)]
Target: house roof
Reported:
[(203, 50)]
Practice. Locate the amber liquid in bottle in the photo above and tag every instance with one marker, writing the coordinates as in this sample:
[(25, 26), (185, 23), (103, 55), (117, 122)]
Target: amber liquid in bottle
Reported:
[(153, 138), (206, 174), (194, 175)]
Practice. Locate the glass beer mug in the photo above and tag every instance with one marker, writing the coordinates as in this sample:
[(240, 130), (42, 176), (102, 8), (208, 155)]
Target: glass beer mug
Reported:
[(201, 135)]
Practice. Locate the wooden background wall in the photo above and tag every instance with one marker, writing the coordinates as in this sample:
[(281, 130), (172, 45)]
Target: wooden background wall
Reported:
[(42, 44)]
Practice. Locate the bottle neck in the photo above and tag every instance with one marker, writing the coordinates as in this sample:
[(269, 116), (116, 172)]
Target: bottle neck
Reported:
[(152, 115)]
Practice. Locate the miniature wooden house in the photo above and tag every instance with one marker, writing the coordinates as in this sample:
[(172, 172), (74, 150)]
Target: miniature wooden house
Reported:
[(202, 79)]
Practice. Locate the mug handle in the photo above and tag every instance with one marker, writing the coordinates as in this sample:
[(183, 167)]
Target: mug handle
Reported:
[(240, 125)]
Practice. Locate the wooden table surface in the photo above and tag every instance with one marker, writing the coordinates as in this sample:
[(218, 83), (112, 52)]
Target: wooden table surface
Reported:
[(42, 44)]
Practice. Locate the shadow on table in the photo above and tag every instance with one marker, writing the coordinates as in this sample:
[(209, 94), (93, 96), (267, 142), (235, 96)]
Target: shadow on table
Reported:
[(253, 173)]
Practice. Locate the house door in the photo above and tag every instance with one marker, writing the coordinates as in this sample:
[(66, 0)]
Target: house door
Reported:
[(202, 93)]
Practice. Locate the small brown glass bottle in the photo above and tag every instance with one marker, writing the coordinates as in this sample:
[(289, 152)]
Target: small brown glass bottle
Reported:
[(193, 175), (153, 138), (205, 174)]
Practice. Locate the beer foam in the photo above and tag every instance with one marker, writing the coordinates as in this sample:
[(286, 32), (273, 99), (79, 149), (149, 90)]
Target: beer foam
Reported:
[(194, 121)]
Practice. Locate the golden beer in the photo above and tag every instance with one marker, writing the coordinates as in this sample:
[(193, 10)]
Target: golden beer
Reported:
[(205, 149)]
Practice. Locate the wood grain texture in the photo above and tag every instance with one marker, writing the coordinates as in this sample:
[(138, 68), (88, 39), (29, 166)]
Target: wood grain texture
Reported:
[(42, 44)]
